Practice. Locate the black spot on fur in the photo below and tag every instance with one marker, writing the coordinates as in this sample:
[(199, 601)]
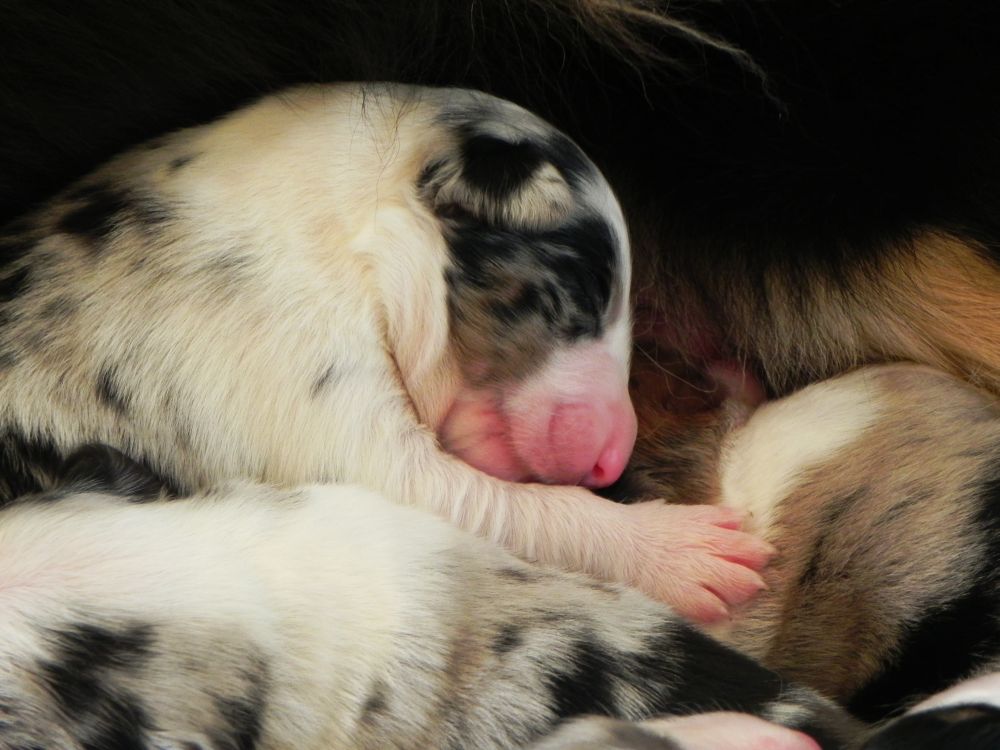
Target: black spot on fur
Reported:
[(428, 173), (96, 216), (519, 575), (14, 284), (100, 468), (27, 465), (954, 637), (244, 713), (711, 676), (103, 208), (181, 161), (559, 281), (376, 702), (326, 378), (585, 687), (13, 248), (83, 674), (508, 639), (110, 394), (499, 167), (969, 727), (589, 273), (147, 211)]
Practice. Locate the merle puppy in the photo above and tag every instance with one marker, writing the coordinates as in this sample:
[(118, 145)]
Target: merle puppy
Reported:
[(326, 616), (422, 291)]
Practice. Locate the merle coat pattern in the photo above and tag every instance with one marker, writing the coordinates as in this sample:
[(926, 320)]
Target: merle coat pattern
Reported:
[(321, 287), (326, 616)]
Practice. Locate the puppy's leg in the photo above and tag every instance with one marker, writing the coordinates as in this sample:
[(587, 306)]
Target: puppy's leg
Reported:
[(692, 557), (328, 617)]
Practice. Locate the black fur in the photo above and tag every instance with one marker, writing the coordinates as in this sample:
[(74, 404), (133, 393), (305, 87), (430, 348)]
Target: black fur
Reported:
[(85, 656), (874, 117), (109, 392), (96, 216), (100, 468), (954, 637), (27, 465), (14, 284), (964, 727), (498, 167), (724, 678), (587, 687), (537, 274)]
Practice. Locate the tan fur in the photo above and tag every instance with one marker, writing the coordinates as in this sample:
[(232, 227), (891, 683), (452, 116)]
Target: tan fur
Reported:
[(947, 307), (875, 524), (873, 537), (934, 299)]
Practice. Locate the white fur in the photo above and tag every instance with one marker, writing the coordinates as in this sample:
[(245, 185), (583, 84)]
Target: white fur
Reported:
[(764, 459), (298, 252)]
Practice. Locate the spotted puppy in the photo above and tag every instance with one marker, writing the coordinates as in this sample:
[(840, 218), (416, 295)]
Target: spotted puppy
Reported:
[(326, 616), (421, 291), (882, 490)]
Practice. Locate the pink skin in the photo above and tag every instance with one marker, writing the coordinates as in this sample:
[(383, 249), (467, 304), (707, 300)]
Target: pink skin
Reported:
[(736, 382), (573, 423), (730, 731)]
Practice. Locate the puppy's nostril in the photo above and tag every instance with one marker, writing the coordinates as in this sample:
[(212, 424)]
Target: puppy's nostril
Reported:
[(596, 477), (607, 470)]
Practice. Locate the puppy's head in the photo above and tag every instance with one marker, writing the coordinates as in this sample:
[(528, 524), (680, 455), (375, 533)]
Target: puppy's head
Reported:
[(537, 275)]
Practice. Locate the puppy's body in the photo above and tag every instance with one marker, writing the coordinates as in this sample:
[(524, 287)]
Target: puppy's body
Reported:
[(328, 617), (321, 287), (880, 489)]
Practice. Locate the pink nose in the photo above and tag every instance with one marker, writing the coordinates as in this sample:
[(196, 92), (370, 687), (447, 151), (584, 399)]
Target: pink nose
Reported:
[(589, 444), (609, 467)]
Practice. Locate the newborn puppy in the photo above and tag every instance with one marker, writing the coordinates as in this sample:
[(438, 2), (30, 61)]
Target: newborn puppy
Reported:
[(880, 489), (327, 617), (421, 291)]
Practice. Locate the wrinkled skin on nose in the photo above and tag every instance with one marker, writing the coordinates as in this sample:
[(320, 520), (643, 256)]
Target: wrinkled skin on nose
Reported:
[(570, 423)]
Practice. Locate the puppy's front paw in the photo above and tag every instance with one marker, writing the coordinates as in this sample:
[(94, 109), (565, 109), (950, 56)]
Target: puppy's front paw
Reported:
[(696, 559)]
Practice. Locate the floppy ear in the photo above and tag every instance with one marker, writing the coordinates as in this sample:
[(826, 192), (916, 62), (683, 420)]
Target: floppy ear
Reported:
[(505, 182)]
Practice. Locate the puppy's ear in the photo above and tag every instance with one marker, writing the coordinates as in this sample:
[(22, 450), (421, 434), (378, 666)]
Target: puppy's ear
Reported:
[(100, 468), (508, 182)]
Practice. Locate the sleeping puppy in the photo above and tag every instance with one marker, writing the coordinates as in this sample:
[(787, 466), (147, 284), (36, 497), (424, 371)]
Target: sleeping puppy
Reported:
[(880, 489), (327, 616), (811, 184), (421, 291)]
